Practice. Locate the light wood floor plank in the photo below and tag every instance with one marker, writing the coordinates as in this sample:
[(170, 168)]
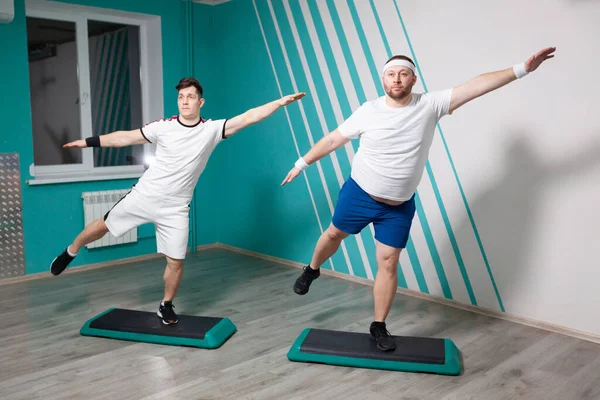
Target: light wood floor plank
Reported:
[(42, 355)]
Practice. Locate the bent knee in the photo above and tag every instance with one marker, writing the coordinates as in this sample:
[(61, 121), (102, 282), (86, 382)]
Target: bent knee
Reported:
[(335, 234), (174, 263), (388, 262), (388, 267)]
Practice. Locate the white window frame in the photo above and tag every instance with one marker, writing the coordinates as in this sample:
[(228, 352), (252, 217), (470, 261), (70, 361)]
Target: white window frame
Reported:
[(151, 81)]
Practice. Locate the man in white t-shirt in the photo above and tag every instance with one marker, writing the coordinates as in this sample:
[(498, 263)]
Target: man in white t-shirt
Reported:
[(162, 196), (395, 131)]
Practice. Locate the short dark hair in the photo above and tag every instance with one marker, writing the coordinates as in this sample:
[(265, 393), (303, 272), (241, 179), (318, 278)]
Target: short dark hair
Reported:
[(189, 82), (401, 57)]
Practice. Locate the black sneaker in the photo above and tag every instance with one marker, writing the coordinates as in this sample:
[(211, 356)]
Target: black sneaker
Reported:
[(60, 263), (385, 342), (166, 313), (303, 282)]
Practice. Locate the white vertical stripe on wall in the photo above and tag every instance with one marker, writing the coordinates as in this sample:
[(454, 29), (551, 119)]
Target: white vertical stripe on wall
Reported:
[(339, 55), (448, 188), (439, 161), (325, 71), (352, 97), (355, 49), (312, 199), (360, 60), (421, 247), (307, 127), (315, 98)]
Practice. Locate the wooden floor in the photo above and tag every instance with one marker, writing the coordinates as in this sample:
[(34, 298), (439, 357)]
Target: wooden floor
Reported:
[(42, 355)]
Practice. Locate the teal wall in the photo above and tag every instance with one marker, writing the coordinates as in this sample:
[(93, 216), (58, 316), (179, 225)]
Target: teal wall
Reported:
[(52, 214), (255, 213), (239, 200), (205, 69)]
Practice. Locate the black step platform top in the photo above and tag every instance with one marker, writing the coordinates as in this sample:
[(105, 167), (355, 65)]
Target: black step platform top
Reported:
[(362, 345), (144, 322)]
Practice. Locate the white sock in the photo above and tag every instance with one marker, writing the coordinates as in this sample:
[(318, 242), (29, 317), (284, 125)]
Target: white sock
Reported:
[(71, 254)]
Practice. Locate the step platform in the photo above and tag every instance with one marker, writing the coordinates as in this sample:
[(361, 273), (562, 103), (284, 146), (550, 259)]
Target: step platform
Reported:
[(350, 349), (143, 326)]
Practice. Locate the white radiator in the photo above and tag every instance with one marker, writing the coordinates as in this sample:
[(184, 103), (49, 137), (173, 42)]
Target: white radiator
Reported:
[(96, 205)]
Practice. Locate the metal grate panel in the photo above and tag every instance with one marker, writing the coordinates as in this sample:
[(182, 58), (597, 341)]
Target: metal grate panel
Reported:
[(12, 248)]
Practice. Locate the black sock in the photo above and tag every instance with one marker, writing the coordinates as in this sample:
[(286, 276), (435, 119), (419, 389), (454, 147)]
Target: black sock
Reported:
[(376, 324), (310, 271)]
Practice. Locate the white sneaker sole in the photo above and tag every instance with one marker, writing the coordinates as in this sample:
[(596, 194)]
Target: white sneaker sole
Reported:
[(53, 262), (50, 269)]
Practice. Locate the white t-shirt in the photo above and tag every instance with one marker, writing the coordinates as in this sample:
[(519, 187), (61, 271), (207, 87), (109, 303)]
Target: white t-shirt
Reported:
[(181, 155), (394, 143)]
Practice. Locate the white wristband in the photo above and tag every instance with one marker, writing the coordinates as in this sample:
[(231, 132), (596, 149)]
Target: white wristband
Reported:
[(519, 70), (301, 164)]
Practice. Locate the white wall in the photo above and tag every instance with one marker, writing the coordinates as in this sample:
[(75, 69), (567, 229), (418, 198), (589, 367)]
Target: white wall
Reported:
[(528, 155)]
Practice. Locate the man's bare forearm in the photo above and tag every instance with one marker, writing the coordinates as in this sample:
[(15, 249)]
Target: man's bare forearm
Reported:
[(326, 145), (257, 114)]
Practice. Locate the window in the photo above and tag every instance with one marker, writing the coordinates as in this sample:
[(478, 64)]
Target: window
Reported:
[(115, 88), (90, 74)]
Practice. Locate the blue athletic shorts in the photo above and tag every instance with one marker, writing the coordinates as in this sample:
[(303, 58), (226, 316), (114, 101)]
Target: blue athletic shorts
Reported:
[(355, 209)]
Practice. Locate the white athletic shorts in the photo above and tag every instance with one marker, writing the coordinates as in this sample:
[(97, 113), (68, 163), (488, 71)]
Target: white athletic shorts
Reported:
[(171, 220)]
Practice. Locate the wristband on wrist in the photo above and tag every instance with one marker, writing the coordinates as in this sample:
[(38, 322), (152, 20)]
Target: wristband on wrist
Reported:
[(301, 164), (519, 70), (93, 141)]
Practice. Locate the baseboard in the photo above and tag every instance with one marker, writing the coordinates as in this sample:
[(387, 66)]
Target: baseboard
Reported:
[(91, 267), (436, 299)]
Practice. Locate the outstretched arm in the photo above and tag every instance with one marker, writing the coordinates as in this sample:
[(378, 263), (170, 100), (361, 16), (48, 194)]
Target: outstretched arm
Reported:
[(257, 114), (115, 139), (326, 145), (488, 82)]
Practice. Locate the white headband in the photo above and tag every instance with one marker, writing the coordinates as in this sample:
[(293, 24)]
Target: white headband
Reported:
[(399, 63)]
